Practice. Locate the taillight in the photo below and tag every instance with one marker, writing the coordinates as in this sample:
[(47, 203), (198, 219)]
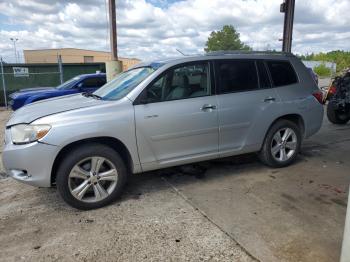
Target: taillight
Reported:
[(319, 96), (332, 90)]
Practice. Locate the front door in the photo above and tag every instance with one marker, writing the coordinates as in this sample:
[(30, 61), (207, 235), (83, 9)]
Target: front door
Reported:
[(176, 118)]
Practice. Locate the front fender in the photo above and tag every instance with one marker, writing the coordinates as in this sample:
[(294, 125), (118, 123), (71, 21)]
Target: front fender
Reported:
[(115, 120)]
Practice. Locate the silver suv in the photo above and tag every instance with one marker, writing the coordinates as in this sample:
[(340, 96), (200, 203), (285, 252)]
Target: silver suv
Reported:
[(163, 114)]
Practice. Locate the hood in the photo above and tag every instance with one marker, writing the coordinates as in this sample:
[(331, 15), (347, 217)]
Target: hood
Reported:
[(31, 112), (36, 88), (33, 91)]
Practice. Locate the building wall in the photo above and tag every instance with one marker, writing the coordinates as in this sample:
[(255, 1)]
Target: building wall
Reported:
[(73, 55)]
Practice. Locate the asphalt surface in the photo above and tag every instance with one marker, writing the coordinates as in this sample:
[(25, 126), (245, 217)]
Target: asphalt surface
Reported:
[(234, 209)]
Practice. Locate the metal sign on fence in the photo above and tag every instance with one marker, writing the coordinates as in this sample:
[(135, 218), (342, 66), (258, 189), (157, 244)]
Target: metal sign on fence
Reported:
[(20, 71)]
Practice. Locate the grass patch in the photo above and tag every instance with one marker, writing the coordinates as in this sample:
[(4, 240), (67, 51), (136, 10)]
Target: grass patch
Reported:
[(322, 70)]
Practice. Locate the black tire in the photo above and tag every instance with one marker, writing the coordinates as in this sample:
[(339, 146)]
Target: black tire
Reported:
[(80, 153), (265, 154), (336, 117)]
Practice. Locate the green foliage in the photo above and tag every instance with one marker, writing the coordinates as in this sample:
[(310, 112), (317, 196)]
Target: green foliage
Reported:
[(225, 39), (322, 70), (341, 58)]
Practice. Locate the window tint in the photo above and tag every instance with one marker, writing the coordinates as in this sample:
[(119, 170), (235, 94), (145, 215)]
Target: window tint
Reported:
[(263, 76), (91, 82), (235, 76), (282, 73), (183, 82), (101, 81)]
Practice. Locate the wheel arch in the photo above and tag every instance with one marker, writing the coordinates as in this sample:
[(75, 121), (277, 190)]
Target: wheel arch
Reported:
[(295, 118), (111, 142)]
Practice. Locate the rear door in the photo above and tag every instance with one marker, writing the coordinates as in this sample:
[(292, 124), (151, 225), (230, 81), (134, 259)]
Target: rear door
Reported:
[(246, 104), (285, 79), (176, 117)]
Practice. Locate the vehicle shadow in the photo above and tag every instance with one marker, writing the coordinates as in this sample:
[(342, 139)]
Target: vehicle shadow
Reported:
[(230, 166), (147, 183), (144, 183)]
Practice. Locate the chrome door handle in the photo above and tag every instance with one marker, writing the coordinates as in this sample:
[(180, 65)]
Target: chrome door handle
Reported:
[(270, 99), (151, 116), (206, 107)]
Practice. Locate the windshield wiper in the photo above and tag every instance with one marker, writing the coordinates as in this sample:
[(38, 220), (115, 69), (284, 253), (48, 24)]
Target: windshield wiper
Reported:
[(91, 95)]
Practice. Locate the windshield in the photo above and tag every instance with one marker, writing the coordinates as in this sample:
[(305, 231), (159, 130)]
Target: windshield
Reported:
[(123, 83), (68, 84)]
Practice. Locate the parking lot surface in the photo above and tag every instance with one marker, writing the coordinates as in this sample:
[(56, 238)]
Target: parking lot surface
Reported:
[(236, 209), (150, 223), (291, 214)]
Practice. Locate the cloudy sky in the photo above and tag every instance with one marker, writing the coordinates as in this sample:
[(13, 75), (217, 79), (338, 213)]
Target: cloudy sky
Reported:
[(156, 28)]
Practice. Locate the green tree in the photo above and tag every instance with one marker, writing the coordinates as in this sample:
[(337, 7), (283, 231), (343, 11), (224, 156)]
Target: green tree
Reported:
[(225, 39), (341, 58)]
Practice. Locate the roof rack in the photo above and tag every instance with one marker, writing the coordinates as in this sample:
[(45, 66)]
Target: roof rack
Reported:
[(238, 52)]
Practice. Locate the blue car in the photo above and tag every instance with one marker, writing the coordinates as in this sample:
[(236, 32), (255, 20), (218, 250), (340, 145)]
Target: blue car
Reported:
[(87, 83)]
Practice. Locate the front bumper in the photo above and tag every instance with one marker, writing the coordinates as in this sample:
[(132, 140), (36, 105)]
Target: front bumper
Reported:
[(31, 163)]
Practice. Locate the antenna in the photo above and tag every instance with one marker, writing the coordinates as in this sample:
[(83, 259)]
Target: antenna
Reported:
[(181, 52)]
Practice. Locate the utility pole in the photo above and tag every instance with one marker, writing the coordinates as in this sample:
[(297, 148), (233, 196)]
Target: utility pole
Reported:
[(14, 40), (113, 30), (287, 7), (114, 66), (3, 81), (60, 67)]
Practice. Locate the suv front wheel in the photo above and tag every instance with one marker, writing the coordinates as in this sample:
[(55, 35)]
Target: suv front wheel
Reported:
[(282, 144), (91, 176)]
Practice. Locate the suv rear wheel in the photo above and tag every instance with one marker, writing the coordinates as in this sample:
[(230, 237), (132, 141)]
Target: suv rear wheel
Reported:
[(91, 176), (282, 144)]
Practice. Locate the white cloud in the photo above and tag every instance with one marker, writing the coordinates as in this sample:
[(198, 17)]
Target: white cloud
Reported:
[(156, 28)]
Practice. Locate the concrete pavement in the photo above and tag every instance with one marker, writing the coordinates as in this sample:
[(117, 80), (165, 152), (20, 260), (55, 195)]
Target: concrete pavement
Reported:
[(238, 210), (291, 214)]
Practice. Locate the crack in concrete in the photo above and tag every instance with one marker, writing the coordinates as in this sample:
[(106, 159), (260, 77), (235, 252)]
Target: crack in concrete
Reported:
[(209, 219)]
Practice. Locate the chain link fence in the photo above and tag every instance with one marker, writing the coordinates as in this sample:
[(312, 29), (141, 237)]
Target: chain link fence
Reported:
[(17, 76)]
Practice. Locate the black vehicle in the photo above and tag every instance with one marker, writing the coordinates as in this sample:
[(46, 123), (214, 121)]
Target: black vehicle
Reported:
[(338, 95)]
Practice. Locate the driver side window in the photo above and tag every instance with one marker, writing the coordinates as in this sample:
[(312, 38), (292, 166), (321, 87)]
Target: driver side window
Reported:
[(180, 83)]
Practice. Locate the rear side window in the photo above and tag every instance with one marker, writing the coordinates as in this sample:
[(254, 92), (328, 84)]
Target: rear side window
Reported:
[(91, 82), (282, 73), (101, 81), (263, 76), (237, 76)]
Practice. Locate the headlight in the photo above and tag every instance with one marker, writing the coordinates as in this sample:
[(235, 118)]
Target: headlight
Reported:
[(24, 134)]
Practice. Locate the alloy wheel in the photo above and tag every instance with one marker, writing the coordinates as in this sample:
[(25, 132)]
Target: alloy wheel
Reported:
[(93, 179), (284, 144)]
